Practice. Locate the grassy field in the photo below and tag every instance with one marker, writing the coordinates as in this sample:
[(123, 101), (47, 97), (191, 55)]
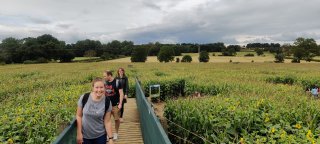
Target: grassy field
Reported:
[(84, 58), (37, 100), (266, 58)]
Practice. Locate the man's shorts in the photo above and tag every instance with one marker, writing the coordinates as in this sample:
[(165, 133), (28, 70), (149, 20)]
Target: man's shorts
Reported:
[(115, 112)]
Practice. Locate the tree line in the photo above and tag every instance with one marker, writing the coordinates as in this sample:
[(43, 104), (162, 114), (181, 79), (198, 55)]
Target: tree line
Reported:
[(46, 48), (302, 49)]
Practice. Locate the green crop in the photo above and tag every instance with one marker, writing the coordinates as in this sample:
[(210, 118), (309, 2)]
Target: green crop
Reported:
[(37, 101)]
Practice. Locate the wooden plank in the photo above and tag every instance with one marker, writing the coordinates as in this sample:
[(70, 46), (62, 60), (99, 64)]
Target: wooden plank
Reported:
[(129, 131)]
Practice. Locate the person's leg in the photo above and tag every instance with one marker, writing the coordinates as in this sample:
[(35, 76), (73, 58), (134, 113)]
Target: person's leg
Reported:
[(101, 140), (116, 121), (121, 112), (117, 124)]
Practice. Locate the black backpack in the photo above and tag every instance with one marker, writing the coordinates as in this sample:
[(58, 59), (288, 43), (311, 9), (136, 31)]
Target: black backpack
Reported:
[(85, 99)]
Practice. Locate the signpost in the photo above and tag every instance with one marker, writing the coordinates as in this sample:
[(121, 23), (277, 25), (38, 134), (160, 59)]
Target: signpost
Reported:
[(154, 91)]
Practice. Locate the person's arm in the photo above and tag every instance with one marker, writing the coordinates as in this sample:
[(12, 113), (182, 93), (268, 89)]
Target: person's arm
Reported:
[(127, 87), (121, 98), (108, 126), (79, 125)]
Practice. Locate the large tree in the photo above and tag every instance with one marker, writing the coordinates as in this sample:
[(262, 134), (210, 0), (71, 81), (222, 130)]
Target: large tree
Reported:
[(308, 44), (212, 47), (154, 48), (65, 55), (186, 58), (126, 48), (229, 51), (43, 48), (305, 48), (10, 50), (49, 47), (204, 56), (139, 53), (279, 58), (166, 54), (259, 52), (84, 45), (287, 49), (115, 47)]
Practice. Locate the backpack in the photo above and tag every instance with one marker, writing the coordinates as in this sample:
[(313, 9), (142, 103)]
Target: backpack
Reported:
[(86, 97)]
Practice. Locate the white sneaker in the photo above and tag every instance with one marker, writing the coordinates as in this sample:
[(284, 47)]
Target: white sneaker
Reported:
[(115, 136)]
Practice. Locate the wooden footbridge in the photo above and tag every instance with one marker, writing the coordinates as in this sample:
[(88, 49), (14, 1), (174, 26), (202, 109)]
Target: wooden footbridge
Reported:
[(129, 131), (140, 124)]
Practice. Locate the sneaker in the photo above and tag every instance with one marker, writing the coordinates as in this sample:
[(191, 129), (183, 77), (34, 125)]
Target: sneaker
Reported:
[(115, 136)]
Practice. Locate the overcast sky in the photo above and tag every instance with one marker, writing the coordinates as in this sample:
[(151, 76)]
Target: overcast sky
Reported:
[(166, 21)]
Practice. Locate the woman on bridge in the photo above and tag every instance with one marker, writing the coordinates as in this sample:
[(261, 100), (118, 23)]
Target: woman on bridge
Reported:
[(123, 80), (94, 116)]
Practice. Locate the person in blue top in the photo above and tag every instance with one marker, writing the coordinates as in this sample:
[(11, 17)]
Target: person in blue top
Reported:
[(314, 91), (94, 116)]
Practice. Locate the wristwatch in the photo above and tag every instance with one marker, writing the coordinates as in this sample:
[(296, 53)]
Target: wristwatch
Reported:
[(110, 137)]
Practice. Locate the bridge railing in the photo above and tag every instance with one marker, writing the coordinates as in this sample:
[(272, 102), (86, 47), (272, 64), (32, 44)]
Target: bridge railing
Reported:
[(152, 131), (68, 135), (151, 128)]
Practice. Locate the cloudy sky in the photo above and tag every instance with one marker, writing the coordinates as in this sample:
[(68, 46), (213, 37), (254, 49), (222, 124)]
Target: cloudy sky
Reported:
[(166, 21)]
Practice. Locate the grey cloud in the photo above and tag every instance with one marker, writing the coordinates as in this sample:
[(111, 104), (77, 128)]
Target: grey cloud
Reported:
[(64, 26), (39, 20), (85, 12), (150, 4), (198, 21), (286, 36), (210, 24)]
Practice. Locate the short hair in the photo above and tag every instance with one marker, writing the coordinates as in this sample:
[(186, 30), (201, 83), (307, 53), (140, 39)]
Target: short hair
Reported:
[(108, 72), (97, 79)]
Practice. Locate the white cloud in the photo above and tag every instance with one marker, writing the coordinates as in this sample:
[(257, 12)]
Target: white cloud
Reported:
[(143, 21)]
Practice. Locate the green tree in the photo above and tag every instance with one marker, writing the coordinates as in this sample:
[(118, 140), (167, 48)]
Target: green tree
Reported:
[(41, 49), (108, 56), (177, 50), (66, 55), (279, 58), (308, 44), (204, 56), (126, 48), (166, 54), (139, 53), (186, 58), (305, 48), (48, 47), (235, 47), (154, 48), (115, 47), (298, 54), (287, 49), (84, 45), (259, 52), (229, 51), (90, 53), (10, 50)]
